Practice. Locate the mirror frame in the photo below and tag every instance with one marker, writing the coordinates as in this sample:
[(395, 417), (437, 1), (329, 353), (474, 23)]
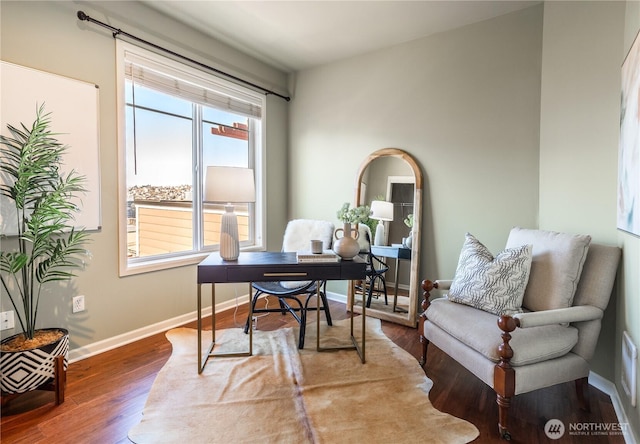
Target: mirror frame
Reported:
[(409, 319)]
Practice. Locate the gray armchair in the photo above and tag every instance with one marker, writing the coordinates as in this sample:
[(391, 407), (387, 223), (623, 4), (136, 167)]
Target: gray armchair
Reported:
[(554, 336)]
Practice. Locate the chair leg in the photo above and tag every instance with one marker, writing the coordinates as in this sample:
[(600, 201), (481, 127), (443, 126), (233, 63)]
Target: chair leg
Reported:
[(384, 287), (582, 389), (372, 283), (421, 320), (504, 376), (283, 306), (325, 306), (253, 306), (425, 343), (503, 414), (303, 328)]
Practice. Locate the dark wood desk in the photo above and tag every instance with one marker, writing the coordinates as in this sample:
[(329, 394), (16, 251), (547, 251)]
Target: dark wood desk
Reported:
[(399, 253), (268, 266)]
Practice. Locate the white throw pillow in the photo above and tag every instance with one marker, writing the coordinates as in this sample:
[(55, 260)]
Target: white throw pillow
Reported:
[(493, 284), (557, 264)]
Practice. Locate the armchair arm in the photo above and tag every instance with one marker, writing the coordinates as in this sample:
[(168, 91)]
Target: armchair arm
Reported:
[(428, 285), (443, 284), (576, 313)]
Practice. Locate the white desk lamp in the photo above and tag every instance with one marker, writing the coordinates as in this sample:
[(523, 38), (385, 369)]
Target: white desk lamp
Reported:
[(382, 211), (229, 185)]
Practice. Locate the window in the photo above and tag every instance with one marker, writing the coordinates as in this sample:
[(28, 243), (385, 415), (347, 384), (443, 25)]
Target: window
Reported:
[(174, 122)]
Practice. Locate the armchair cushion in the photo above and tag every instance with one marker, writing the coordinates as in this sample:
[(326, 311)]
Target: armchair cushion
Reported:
[(493, 284), (530, 345), (558, 259)]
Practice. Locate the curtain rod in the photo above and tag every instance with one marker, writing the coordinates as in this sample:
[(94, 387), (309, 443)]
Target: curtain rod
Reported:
[(82, 16)]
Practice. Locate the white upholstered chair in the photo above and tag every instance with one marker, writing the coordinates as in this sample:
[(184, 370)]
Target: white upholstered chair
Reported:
[(551, 341)]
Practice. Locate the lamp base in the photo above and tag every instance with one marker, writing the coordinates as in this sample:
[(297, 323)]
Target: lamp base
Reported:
[(379, 238), (229, 244)]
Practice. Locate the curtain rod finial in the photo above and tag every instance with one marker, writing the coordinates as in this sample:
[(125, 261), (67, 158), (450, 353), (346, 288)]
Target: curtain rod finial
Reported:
[(82, 16)]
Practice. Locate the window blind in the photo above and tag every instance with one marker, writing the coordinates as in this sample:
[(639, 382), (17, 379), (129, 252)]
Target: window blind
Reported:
[(190, 85)]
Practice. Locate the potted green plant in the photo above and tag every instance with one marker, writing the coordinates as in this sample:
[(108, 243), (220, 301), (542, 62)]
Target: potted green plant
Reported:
[(46, 249)]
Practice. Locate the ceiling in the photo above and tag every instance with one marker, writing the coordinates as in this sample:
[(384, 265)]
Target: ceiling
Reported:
[(297, 35)]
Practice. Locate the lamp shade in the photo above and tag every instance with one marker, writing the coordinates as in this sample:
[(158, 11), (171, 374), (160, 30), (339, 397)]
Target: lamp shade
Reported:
[(229, 184), (381, 210)]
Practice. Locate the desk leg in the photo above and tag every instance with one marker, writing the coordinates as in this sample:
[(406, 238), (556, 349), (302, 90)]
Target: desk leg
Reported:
[(395, 285), (202, 361), (251, 318), (200, 366), (318, 315), (395, 289), (355, 346)]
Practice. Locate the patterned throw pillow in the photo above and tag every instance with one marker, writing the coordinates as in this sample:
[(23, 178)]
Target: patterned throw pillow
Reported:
[(493, 284)]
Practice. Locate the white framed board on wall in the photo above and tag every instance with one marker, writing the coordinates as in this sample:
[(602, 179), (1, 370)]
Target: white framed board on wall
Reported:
[(73, 105)]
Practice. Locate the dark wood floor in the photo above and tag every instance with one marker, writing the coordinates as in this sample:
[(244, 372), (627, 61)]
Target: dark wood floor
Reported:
[(105, 395)]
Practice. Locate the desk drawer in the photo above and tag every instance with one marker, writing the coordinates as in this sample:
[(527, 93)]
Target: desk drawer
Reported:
[(283, 273)]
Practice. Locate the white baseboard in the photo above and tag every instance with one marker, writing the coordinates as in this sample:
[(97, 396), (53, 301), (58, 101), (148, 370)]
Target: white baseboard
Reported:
[(608, 387), (77, 354), (96, 348), (337, 297)]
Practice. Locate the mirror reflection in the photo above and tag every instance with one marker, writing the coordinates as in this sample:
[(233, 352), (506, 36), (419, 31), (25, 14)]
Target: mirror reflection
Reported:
[(390, 181)]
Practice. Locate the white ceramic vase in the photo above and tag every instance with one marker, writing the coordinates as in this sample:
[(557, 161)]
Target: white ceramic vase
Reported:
[(409, 240), (347, 247)]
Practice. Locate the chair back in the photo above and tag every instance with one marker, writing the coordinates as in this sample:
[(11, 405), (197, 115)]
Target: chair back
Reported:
[(364, 238), (300, 232), (595, 288)]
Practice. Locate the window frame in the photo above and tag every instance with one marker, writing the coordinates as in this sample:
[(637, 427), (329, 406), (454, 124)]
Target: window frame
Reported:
[(256, 161)]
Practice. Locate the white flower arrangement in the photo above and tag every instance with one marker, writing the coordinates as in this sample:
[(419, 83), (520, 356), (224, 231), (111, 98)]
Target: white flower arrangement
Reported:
[(353, 215)]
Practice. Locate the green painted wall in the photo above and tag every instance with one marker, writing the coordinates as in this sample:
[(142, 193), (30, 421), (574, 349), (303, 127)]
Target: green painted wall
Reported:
[(464, 103)]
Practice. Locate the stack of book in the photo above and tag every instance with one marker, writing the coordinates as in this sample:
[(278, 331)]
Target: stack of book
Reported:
[(325, 256)]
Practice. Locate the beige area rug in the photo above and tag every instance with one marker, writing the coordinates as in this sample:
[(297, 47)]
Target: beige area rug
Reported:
[(286, 395)]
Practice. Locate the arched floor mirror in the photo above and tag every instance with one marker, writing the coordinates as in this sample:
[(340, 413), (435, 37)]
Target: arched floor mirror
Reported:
[(393, 175)]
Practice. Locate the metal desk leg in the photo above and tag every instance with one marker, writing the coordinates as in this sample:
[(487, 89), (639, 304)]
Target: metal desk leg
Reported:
[(202, 362), (355, 346), (395, 290), (200, 366)]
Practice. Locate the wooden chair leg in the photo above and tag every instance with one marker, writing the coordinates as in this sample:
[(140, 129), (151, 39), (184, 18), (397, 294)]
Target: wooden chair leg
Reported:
[(504, 376), (503, 416), (427, 286), (582, 389), (425, 344)]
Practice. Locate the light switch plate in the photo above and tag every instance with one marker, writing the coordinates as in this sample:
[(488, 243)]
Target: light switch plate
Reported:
[(7, 320)]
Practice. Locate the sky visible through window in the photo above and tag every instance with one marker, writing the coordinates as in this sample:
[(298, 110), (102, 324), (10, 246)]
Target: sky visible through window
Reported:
[(163, 140)]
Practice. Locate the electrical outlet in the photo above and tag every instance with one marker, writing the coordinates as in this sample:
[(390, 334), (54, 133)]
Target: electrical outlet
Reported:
[(78, 304), (6, 320)]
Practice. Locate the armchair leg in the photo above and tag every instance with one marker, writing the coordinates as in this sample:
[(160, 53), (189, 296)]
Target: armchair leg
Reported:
[(503, 415), (582, 390), (427, 286), (425, 344), (504, 376)]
